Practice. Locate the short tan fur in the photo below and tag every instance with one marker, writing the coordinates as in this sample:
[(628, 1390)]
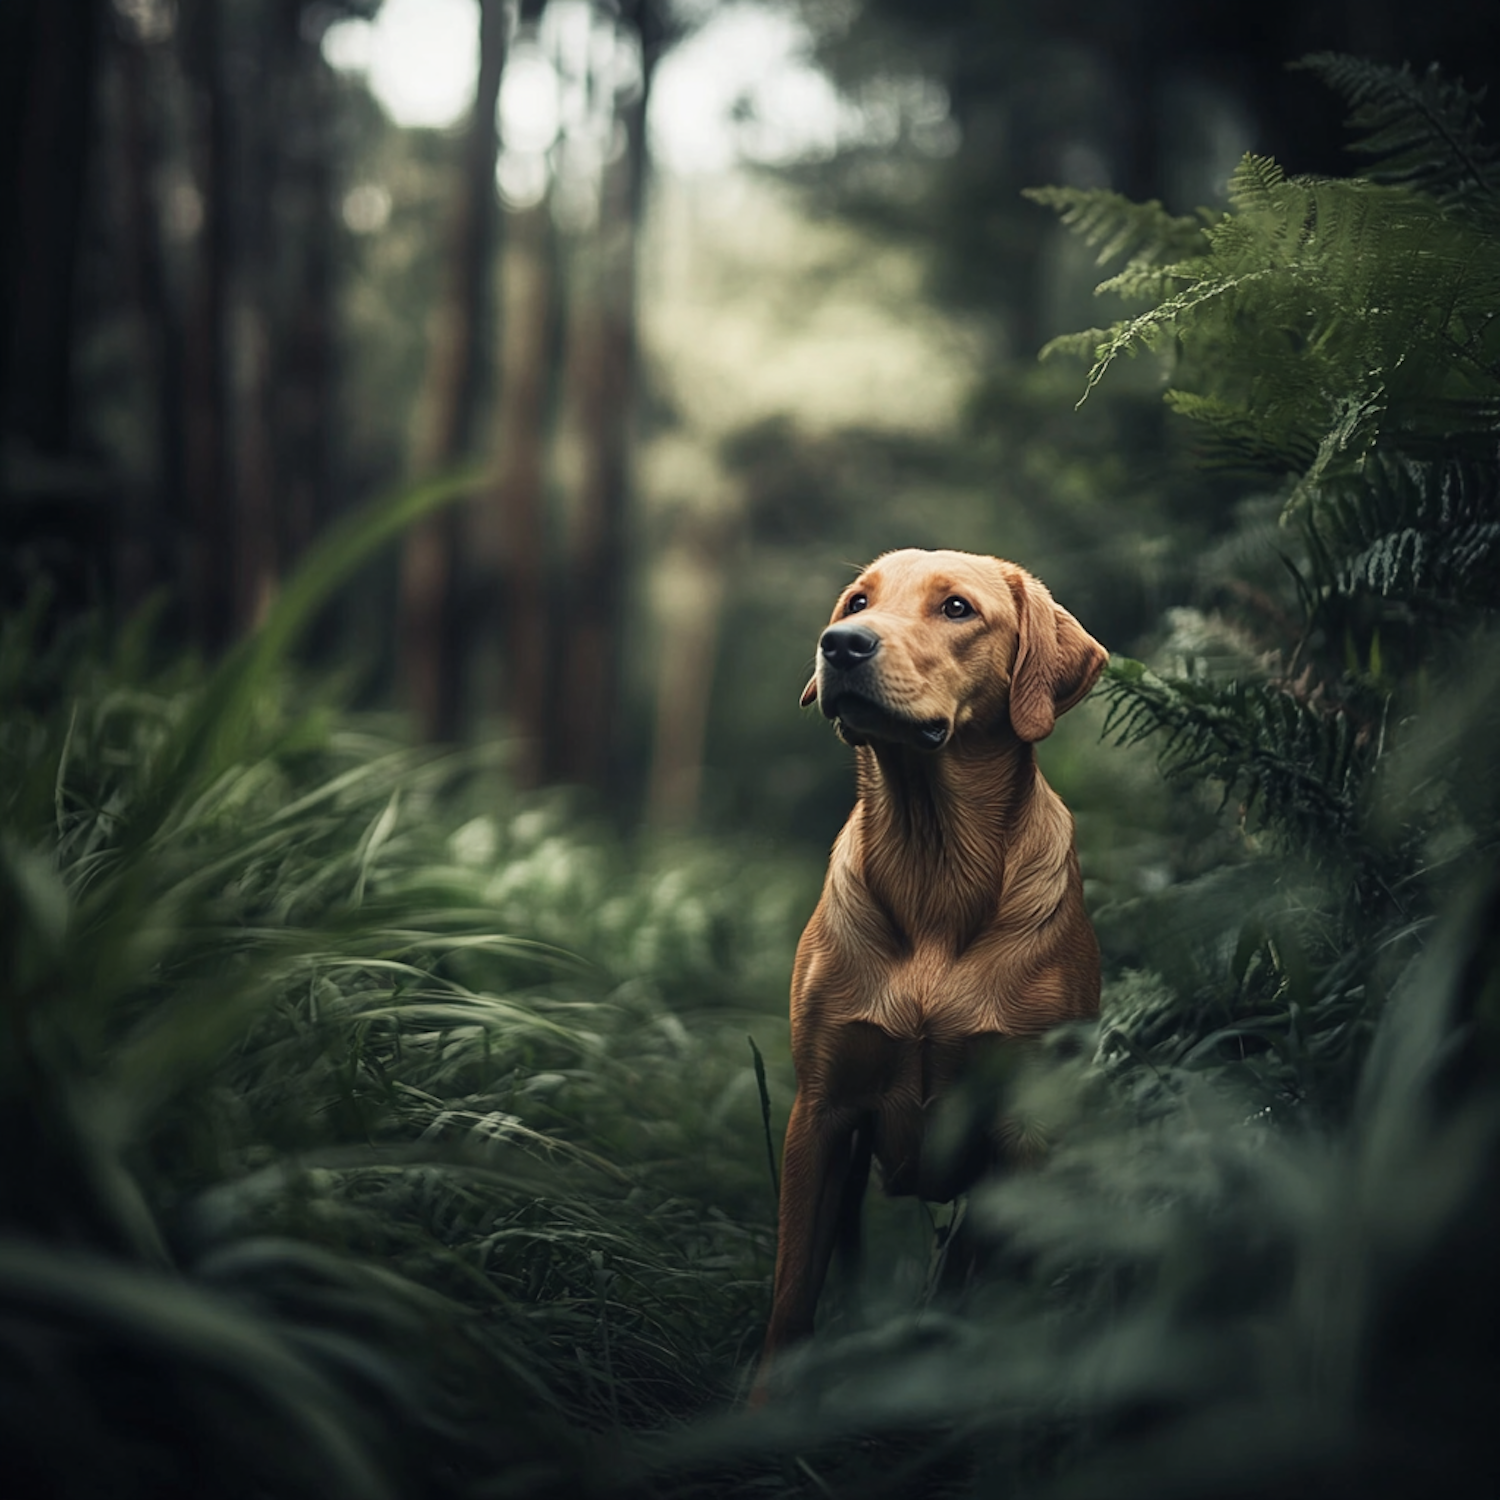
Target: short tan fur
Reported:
[(953, 908)]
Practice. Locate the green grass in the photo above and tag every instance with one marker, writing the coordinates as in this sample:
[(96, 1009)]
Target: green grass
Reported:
[(311, 1116)]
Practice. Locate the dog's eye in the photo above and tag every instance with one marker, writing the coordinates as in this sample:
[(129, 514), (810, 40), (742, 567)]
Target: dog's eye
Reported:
[(957, 609), (856, 604)]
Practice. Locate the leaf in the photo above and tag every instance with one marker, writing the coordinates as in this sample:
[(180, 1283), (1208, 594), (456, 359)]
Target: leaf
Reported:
[(1425, 130), (1143, 232), (212, 734)]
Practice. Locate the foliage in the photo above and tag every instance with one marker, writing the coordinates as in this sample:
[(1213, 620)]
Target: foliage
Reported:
[(1336, 337), (317, 1177), (1145, 233), (1426, 130), (1325, 315), (1201, 1303), (442, 1202)]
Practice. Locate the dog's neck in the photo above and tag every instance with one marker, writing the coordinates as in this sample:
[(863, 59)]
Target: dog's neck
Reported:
[(934, 830)]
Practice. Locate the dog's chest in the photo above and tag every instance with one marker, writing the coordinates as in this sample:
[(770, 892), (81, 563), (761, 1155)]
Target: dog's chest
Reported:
[(933, 995)]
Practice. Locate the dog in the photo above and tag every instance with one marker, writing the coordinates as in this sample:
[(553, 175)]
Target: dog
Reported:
[(952, 912)]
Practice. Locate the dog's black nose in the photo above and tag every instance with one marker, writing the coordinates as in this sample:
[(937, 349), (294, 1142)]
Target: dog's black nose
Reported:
[(846, 646)]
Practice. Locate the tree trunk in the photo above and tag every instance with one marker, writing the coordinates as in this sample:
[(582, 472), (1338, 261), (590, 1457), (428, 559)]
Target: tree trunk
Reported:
[(596, 592), (510, 532), (207, 486), (304, 396), (48, 118), (143, 560), (694, 576), (264, 47), (429, 648), (589, 747), (17, 41), (255, 547)]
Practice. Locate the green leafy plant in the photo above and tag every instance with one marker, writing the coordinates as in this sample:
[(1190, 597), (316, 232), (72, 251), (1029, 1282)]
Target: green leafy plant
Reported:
[(1425, 130), (328, 1169), (1338, 338), (1322, 316)]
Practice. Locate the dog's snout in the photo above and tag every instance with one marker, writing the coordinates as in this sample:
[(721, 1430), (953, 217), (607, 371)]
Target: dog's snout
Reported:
[(846, 646)]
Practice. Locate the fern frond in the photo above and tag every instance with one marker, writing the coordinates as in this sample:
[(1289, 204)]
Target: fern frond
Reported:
[(1144, 232), (1459, 569), (1254, 184), (1083, 345), (1139, 282), (1240, 435), (1352, 434), (1393, 491), (1425, 131), (1328, 313), (1300, 768), (1155, 328), (1425, 534)]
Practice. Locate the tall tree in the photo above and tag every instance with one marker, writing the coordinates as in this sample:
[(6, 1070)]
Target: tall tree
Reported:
[(47, 117), (696, 571), (603, 380), (511, 525), (51, 505), (143, 559), (207, 474), (303, 398), (430, 604), (259, 216)]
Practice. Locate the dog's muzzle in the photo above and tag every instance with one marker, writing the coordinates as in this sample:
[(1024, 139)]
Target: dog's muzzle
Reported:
[(849, 692)]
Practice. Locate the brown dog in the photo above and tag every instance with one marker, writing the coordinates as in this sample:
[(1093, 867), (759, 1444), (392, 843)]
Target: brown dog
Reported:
[(953, 908)]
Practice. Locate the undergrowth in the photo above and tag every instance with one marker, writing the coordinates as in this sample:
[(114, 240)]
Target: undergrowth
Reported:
[(296, 1056)]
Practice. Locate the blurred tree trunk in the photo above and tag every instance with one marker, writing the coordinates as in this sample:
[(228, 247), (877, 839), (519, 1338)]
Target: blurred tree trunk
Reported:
[(144, 562), (208, 492), (430, 621), (694, 573), (255, 548), (48, 78), (511, 527), (17, 30), (260, 47), (303, 399), (589, 744), (600, 371)]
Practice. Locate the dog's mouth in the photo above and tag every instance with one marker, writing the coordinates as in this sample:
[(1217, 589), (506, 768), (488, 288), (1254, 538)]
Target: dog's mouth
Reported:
[(861, 719)]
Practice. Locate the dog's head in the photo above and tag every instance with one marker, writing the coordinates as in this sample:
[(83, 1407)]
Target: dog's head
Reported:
[(924, 645)]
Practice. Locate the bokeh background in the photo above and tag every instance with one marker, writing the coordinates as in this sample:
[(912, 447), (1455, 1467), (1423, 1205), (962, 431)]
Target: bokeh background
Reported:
[(723, 298)]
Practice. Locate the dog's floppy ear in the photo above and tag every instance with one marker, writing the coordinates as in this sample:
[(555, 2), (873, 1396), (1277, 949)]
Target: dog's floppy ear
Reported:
[(1057, 660), (809, 694)]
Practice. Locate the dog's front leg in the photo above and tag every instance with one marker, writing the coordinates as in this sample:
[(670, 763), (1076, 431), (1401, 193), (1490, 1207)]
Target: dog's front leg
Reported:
[(817, 1166)]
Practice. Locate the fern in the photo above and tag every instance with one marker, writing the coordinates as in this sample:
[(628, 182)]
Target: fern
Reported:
[(1343, 336), (1425, 130), (1322, 316), (1145, 233), (1458, 569), (1399, 557), (1299, 766)]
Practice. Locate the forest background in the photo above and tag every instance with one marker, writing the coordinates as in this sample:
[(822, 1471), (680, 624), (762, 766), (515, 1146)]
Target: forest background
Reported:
[(383, 926)]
